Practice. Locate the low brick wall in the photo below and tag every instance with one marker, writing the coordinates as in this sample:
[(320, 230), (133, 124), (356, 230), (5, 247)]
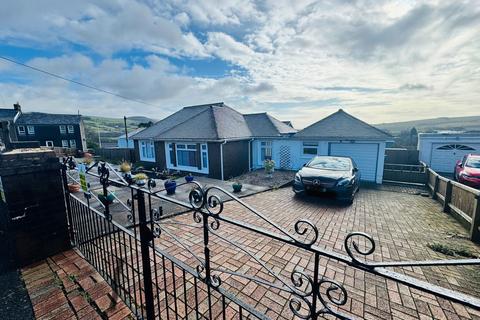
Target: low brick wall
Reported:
[(34, 205)]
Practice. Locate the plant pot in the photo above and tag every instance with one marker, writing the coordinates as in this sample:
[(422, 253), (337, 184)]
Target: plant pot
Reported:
[(141, 182), (73, 187), (106, 200), (170, 186), (237, 187), (189, 178)]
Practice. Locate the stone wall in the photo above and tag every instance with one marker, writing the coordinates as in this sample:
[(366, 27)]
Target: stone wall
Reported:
[(35, 207)]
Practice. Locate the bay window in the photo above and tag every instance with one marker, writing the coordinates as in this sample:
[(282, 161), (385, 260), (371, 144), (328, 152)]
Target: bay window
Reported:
[(187, 156)]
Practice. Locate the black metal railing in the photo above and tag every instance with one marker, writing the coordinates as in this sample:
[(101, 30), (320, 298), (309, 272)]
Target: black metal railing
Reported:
[(155, 283)]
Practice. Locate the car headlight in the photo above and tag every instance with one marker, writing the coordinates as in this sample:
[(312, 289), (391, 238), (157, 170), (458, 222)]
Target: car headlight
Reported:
[(298, 178), (463, 174), (344, 182)]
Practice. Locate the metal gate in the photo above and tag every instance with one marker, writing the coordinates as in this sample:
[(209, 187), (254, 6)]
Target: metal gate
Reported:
[(195, 279)]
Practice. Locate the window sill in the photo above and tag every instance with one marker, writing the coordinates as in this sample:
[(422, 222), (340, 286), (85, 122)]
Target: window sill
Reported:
[(147, 159)]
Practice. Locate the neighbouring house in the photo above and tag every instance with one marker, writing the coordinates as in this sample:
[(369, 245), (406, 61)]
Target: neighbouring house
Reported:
[(218, 141), (440, 151), (122, 142), (8, 117), (52, 130)]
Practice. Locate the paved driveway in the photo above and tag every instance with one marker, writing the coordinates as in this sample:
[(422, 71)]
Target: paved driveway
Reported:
[(401, 223)]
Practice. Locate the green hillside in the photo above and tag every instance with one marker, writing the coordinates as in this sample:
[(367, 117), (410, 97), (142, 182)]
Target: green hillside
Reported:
[(430, 125), (109, 128)]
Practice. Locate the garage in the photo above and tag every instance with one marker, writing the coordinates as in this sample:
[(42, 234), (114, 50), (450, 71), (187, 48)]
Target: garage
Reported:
[(440, 151), (364, 154), (445, 156)]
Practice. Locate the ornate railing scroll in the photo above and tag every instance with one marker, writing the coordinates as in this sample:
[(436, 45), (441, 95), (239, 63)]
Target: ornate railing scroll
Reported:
[(312, 295)]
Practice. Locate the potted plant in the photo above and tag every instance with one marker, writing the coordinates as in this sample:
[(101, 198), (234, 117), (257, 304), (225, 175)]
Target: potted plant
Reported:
[(170, 186), (269, 166), (106, 200), (73, 187), (125, 167), (140, 179), (189, 177), (237, 186)]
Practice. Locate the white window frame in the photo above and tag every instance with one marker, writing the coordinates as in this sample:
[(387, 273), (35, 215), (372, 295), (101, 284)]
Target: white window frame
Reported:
[(70, 129), (21, 130), (146, 150), (309, 145), (267, 146), (73, 143), (30, 129), (64, 143), (203, 152), (49, 143), (63, 129)]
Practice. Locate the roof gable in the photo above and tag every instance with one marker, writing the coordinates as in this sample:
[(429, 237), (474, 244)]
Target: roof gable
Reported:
[(341, 125), (264, 125)]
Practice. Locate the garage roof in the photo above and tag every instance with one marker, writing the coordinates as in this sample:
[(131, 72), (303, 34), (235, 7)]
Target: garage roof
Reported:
[(341, 125)]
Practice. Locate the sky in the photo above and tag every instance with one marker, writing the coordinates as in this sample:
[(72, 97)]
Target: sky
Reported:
[(382, 61)]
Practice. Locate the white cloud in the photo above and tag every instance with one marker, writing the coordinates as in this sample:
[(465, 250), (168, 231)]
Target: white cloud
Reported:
[(381, 60)]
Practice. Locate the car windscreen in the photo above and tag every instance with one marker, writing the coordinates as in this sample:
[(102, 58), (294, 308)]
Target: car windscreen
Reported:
[(340, 164), (473, 163)]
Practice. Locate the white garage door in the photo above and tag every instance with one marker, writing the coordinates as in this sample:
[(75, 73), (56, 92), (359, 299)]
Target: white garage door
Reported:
[(444, 156), (364, 154)]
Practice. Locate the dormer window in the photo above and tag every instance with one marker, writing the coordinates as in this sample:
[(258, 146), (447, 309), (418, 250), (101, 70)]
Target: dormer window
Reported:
[(21, 130), (63, 129), (31, 129), (70, 129)]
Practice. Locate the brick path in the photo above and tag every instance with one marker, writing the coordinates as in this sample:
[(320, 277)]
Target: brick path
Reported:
[(66, 286), (401, 223)]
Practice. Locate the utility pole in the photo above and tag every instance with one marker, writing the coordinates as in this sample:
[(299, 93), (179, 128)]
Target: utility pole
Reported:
[(99, 140), (126, 130)]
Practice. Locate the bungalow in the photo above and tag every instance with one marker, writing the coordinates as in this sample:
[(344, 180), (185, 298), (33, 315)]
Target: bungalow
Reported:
[(218, 141)]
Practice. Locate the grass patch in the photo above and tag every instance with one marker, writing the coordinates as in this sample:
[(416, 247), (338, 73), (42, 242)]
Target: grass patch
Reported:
[(452, 250)]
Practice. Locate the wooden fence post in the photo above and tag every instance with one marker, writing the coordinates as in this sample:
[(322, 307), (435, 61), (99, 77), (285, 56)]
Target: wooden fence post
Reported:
[(474, 232), (448, 196), (435, 187)]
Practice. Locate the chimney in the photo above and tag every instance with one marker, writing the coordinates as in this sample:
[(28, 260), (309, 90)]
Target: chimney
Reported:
[(17, 107)]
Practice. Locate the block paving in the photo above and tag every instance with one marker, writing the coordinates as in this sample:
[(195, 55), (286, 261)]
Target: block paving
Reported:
[(66, 286)]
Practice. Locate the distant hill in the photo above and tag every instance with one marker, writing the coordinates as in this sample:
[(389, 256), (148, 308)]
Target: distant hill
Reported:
[(430, 125), (109, 128)]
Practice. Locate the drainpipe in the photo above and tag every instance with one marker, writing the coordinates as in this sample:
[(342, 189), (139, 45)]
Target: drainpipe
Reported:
[(250, 154), (221, 157)]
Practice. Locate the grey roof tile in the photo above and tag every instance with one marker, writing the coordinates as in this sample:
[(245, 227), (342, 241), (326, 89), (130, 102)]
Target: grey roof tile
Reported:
[(7, 114), (48, 118), (341, 125), (264, 125)]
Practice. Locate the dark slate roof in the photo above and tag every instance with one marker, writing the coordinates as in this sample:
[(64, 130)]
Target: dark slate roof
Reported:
[(48, 118), (7, 114), (264, 125), (341, 125), (203, 122)]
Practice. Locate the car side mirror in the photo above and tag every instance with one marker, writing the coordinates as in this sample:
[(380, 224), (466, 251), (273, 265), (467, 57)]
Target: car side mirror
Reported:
[(355, 169), (459, 163)]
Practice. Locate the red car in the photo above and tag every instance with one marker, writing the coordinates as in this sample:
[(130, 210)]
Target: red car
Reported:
[(467, 171)]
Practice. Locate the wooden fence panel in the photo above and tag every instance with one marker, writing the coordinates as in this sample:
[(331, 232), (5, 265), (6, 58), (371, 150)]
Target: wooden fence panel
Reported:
[(461, 201), (116, 154)]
